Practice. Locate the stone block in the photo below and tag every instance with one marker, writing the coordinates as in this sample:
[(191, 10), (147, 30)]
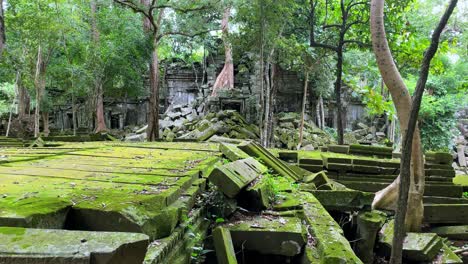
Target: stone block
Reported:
[(21, 245), (439, 158), (288, 156), (269, 235), (338, 149), (232, 152), (368, 225), (231, 178), (452, 232), (330, 158), (344, 200), (440, 172), (311, 162), (311, 168), (447, 256), (256, 150), (417, 247), (446, 213), (224, 248), (319, 178), (339, 167), (331, 245), (370, 150), (257, 195), (443, 190)]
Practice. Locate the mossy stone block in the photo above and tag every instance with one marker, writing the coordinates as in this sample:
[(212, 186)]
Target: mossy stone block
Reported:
[(459, 232), (344, 200), (269, 235), (311, 168), (224, 248), (20, 245), (309, 161), (446, 213), (332, 246), (319, 178), (231, 178), (440, 172), (368, 225), (280, 167), (439, 158), (447, 256), (338, 149), (417, 247), (257, 196), (232, 152), (288, 156)]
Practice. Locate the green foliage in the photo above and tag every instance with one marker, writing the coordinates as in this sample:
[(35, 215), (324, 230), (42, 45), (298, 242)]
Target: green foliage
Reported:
[(7, 95), (437, 121)]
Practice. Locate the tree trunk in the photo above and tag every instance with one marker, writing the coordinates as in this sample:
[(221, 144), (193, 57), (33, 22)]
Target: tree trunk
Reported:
[(266, 118), (304, 101), (225, 78), (318, 114), (274, 90), (23, 99), (99, 92), (339, 108), (39, 83), (100, 118), (409, 212), (45, 122), (12, 105), (387, 197), (153, 113), (2, 29), (322, 112)]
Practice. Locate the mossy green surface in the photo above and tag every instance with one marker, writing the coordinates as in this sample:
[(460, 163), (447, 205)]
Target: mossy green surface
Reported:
[(137, 184), (47, 244), (461, 180), (331, 243)]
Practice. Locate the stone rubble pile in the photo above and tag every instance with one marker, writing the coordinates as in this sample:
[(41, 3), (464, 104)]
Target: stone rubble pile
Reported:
[(227, 123), (287, 133), (365, 134)]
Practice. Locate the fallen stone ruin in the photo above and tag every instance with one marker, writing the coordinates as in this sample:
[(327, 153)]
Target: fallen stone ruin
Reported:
[(187, 202)]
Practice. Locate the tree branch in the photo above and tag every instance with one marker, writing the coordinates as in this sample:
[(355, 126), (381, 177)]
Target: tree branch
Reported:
[(182, 34), (357, 42)]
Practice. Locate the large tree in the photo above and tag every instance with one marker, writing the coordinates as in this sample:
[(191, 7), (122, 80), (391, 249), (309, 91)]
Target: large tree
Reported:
[(337, 24), (225, 79), (2, 28), (409, 186), (154, 23)]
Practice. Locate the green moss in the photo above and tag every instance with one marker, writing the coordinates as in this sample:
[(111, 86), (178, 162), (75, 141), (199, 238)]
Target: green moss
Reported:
[(17, 231), (461, 180), (136, 183)]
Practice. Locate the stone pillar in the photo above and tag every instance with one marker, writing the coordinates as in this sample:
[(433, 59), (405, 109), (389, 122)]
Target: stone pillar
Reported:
[(368, 224)]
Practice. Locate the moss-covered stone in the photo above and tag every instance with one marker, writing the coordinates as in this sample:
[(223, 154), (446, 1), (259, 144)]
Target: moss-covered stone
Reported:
[(232, 152), (446, 213), (231, 178), (338, 149), (417, 247), (269, 235), (439, 158), (344, 200), (21, 245), (368, 225), (101, 186), (224, 248), (330, 241), (255, 150), (453, 232)]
